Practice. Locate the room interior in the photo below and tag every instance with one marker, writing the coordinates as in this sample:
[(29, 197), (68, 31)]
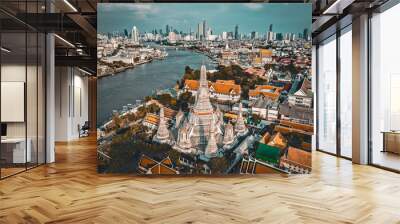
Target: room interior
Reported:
[(49, 91)]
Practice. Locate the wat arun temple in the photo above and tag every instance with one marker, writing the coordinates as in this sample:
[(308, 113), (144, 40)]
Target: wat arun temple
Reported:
[(202, 131)]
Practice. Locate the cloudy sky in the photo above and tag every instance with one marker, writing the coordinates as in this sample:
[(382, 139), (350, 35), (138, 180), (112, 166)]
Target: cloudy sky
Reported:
[(219, 16)]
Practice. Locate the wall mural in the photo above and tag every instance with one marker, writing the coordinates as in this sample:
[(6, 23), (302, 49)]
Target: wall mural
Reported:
[(204, 89)]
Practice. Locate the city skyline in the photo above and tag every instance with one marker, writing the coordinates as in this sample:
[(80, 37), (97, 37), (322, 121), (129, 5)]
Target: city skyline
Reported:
[(149, 17)]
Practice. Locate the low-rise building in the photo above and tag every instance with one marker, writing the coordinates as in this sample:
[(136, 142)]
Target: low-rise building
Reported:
[(151, 120), (273, 111), (302, 115), (278, 141), (296, 160), (255, 166), (303, 96), (257, 71), (260, 106), (221, 90), (269, 92), (225, 90), (148, 165)]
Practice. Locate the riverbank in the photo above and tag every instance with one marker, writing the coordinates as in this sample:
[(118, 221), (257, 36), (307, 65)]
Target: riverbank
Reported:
[(116, 91)]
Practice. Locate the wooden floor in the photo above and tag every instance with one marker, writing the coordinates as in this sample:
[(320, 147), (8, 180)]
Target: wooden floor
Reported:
[(70, 191)]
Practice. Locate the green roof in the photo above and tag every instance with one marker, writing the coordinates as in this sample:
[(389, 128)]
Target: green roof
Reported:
[(295, 87), (268, 153)]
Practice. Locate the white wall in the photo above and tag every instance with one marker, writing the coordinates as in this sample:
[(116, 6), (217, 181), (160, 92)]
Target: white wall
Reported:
[(71, 103)]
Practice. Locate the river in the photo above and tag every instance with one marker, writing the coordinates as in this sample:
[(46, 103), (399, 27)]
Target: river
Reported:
[(126, 87)]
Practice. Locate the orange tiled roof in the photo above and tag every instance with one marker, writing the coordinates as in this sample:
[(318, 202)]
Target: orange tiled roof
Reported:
[(255, 71), (220, 86), (169, 113), (257, 60), (167, 161), (266, 90), (162, 169), (147, 162), (231, 116), (192, 84), (278, 140), (265, 138), (226, 87), (152, 118), (265, 53), (303, 127), (298, 157)]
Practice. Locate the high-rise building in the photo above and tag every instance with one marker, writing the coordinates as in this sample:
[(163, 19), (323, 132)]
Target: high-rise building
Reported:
[(204, 29), (270, 36), (224, 35), (270, 28), (305, 34), (254, 35), (237, 32), (199, 31), (135, 35), (230, 35), (167, 29)]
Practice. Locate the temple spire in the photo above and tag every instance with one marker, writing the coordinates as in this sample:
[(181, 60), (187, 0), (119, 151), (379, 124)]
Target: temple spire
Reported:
[(228, 134), (203, 77), (162, 135), (203, 104), (212, 148), (240, 127)]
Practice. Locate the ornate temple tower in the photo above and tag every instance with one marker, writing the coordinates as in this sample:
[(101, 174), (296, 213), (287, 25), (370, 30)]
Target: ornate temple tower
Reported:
[(229, 134), (179, 118), (183, 142), (195, 134), (162, 135), (202, 114), (203, 105), (212, 148), (240, 127)]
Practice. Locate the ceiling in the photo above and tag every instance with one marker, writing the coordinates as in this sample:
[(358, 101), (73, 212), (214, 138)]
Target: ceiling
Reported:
[(74, 22), (330, 15)]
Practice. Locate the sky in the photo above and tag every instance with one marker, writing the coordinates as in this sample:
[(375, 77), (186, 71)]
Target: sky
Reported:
[(286, 18)]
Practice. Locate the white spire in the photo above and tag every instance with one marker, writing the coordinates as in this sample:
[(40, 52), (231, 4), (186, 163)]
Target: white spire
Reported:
[(203, 77), (212, 148), (203, 104), (240, 127), (228, 134), (162, 135)]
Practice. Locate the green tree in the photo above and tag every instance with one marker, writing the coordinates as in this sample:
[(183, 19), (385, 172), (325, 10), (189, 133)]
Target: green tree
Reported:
[(174, 156), (152, 108), (219, 165), (117, 121)]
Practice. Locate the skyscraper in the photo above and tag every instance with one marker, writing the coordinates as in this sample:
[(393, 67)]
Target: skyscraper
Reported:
[(224, 35), (167, 29), (237, 32), (199, 31), (270, 34), (305, 34), (254, 35), (204, 29), (135, 35)]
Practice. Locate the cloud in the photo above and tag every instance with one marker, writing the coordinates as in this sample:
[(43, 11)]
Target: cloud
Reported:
[(141, 10), (253, 6)]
